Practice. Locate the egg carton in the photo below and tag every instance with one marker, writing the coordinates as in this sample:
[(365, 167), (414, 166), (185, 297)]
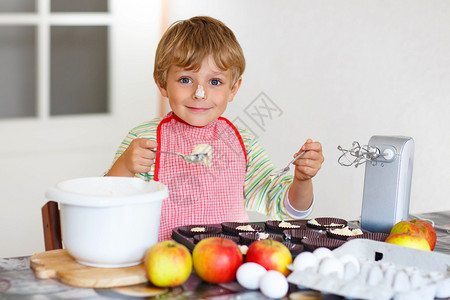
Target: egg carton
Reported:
[(386, 271)]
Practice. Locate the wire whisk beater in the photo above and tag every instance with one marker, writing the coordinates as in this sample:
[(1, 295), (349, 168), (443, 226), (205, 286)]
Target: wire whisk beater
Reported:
[(358, 155)]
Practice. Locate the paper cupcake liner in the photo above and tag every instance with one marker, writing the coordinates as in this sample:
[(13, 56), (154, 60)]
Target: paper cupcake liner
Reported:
[(182, 239), (296, 235), (341, 236), (325, 223), (246, 238), (313, 243), (199, 237), (273, 225), (230, 227), (294, 248), (375, 236), (187, 230)]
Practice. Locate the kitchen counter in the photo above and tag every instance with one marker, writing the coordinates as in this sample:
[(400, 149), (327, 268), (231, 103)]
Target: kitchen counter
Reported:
[(17, 280), (442, 227)]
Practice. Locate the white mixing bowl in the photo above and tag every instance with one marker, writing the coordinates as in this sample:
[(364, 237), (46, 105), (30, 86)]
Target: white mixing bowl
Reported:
[(109, 222)]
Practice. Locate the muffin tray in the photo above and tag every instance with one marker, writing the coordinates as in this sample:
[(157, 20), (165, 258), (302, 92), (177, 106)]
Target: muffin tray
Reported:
[(297, 235)]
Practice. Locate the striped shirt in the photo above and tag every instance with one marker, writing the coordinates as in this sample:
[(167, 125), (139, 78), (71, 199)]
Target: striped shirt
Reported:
[(261, 193)]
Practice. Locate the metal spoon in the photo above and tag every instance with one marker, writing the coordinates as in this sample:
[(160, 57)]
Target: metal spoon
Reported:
[(287, 168), (191, 158)]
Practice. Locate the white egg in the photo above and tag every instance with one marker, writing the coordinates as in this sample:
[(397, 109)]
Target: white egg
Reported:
[(249, 274), (322, 253), (273, 284), (306, 260), (331, 266), (348, 258)]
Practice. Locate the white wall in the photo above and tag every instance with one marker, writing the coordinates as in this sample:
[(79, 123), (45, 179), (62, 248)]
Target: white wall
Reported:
[(339, 70), (38, 153), (342, 71)]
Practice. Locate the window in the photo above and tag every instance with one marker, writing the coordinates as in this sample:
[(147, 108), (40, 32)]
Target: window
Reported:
[(18, 71), (54, 57), (8, 6), (78, 70), (79, 5)]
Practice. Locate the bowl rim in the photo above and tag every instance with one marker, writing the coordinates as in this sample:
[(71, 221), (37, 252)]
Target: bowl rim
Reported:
[(157, 192)]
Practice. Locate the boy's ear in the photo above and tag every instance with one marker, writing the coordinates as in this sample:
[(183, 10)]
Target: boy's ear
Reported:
[(162, 90), (235, 89)]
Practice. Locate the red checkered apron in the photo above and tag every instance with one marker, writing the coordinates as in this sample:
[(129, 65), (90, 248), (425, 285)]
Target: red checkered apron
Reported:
[(199, 194)]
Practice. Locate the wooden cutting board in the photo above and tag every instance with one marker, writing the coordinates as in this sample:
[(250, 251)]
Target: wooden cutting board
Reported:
[(59, 264)]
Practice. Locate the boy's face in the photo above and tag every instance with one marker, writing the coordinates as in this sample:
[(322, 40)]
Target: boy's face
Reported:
[(182, 85)]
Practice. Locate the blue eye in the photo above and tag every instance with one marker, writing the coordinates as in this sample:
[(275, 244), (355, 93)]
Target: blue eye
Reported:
[(215, 82), (185, 80)]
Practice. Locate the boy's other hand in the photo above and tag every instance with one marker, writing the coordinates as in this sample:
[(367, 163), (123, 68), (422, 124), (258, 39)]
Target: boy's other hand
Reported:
[(138, 158), (306, 167)]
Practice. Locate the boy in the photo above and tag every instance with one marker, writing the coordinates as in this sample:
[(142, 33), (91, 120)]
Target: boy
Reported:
[(198, 67)]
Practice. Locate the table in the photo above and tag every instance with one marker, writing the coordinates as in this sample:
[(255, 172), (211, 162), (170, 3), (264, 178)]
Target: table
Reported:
[(442, 227), (17, 280)]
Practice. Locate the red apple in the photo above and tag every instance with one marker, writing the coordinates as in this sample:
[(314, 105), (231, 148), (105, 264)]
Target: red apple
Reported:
[(417, 227), (408, 240), (168, 264), (216, 260), (270, 254)]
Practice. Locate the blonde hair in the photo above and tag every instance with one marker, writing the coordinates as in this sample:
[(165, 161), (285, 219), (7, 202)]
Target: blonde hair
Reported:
[(186, 43)]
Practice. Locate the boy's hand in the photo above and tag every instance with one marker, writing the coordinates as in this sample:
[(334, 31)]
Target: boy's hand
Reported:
[(138, 158), (306, 167)]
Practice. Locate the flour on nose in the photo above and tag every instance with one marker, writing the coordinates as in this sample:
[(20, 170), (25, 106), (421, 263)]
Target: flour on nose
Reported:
[(200, 92)]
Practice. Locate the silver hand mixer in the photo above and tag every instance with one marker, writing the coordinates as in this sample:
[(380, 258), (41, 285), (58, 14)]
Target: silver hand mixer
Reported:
[(387, 181)]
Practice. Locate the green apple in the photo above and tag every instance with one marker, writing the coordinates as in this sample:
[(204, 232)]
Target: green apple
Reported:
[(168, 264)]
